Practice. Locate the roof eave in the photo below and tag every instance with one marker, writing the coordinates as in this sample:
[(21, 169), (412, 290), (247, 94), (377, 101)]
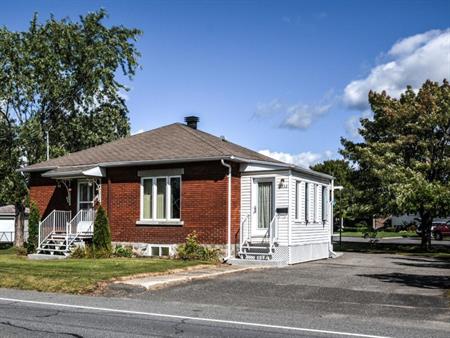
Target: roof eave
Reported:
[(31, 170), (285, 166)]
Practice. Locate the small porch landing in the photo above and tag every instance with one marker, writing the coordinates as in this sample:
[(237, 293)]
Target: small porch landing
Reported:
[(59, 233)]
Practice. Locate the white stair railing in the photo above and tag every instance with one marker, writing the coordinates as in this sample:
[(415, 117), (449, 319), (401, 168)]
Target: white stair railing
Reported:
[(55, 222), (245, 236), (273, 230), (82, 223)]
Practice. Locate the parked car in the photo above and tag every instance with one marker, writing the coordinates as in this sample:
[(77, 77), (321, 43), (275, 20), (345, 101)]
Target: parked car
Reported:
[(440, 229)]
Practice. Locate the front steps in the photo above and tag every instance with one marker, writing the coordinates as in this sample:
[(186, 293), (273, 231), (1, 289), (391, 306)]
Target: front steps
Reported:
[(256, 250), (60, 245)]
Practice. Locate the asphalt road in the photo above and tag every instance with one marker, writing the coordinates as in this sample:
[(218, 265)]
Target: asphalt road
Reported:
[(389, 240), (357, 295)]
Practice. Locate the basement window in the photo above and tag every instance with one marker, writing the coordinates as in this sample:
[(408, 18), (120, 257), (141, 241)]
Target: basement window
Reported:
[(159, 250)]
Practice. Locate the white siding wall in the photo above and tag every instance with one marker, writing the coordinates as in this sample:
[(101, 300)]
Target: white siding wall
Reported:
[(313, 231), (308, 240), (281, 201), (246, 208)]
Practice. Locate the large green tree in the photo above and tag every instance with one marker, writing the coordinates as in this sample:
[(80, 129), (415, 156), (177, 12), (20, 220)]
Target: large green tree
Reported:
[(405, 153), (61, 77)]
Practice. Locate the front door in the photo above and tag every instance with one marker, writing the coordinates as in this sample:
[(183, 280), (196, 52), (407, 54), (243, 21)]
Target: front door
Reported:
[(263, 206), (86, 195)]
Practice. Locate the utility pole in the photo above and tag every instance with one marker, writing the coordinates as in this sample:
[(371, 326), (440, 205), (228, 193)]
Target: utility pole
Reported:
[(340, 187), (48, 145)]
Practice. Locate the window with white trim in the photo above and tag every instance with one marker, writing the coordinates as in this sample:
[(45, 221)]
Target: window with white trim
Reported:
[(161, 198), (324, 203), (297, 199), (315, 203), (306, 202)]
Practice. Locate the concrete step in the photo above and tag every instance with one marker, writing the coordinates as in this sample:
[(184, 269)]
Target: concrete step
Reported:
[(40, 256), (256, 262)]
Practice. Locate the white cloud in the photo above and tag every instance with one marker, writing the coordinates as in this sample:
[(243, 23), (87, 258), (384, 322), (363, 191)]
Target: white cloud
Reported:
[(411, 61), (269, 108), (301, 116), (353, 123), (137, 131), (286, 19), (305, 159), (410, 44), (298, 115)]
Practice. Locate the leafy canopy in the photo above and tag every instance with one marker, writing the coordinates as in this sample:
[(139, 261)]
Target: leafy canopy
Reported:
[(405, 151), (60, 77)]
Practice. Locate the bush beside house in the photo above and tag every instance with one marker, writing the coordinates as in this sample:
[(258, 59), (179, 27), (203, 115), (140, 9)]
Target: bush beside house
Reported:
[(193, 250), (33, 228), (102, 234)]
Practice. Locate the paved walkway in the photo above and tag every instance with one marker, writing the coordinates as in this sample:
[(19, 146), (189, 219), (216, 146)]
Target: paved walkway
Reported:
[(182, 276)]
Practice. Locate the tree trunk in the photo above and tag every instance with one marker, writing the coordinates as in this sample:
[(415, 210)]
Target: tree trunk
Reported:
[(19, 225), (426, 223)]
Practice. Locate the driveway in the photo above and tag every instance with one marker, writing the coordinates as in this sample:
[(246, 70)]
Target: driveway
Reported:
[(362, 295), (362, 290)]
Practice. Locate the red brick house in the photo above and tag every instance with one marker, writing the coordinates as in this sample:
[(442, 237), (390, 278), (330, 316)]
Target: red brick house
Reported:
[(160, 185)]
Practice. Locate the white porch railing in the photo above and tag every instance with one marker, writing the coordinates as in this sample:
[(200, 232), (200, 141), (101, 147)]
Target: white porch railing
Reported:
[(245, 235), (55, 222), (81, 224), (271, 233), (273, 230)]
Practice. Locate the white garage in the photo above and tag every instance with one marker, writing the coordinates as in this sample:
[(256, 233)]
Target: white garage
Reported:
[(7, 217)]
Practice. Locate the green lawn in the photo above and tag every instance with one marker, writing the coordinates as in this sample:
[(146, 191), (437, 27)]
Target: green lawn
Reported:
[(75, 275), (380, 234)]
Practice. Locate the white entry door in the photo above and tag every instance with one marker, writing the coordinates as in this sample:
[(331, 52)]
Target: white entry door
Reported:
[(86, 194), (263, 208)]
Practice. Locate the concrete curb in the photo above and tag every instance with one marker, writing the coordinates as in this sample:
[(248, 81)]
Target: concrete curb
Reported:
[(161, 281)]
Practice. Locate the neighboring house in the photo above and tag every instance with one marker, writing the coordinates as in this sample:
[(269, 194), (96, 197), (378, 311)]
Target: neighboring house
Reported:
[(161, 185), (412, 219), (7, 222)]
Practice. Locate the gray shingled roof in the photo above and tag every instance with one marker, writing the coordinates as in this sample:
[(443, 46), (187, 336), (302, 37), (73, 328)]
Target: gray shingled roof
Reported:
[(174, 142)]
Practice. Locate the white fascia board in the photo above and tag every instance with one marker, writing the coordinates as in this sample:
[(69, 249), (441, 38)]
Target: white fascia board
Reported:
[(95, 172), (276, 166)]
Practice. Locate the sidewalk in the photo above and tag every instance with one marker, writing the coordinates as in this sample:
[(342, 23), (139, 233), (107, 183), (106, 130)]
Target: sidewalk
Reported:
[(183, 276)]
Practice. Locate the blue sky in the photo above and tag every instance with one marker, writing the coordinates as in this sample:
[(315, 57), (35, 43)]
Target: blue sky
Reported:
[(288, 77)]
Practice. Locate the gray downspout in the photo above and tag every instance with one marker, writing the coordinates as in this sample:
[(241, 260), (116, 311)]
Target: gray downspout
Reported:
[(228, 210)]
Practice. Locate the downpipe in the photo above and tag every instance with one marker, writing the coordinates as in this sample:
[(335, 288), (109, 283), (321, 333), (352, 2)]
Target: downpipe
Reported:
[(228, 211)]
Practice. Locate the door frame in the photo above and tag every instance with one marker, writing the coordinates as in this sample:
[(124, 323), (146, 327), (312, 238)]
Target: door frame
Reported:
[(256, 231), (80, 182)]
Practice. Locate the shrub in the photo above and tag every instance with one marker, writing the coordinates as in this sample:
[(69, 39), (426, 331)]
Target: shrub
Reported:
[(21, 251), (102, 233), (33, 228), (87, 251), (79, 252), (123, 251), (193, 250)]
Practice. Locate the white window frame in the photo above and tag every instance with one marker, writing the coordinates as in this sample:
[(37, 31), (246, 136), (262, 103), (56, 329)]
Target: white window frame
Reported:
[(154, 199), (325, 204), (298, 189), (315, 203)]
